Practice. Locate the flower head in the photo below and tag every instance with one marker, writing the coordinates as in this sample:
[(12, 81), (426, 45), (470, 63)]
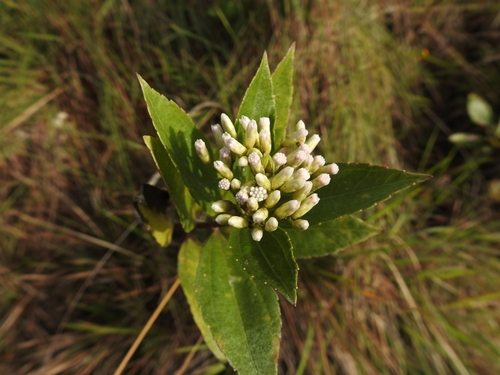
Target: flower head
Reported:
[(268, 185)]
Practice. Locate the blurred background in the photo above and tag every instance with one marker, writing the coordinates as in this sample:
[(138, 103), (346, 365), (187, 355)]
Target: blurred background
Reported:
[(385, 82)]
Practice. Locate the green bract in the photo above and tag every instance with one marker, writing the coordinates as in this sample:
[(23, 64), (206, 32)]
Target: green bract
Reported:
[(279, 200)]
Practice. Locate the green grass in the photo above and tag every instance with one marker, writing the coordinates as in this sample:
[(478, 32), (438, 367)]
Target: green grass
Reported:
[(421, 298)]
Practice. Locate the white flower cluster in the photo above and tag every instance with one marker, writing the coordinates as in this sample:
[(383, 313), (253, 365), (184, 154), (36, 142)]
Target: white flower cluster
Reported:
[(292, 173)]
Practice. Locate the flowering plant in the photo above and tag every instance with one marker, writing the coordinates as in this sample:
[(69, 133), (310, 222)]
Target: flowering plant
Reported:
[(271, 202)]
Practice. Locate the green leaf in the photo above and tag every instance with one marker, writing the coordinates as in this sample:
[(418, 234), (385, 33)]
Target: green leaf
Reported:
[(269, 261), (188, 261), (479, 110), (183, 201), (259, 98), (178, 133), (283, 94), (243, 315), (359, 186), (329, 237)]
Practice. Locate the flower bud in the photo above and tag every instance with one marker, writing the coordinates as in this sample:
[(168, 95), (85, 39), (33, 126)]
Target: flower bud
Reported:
[(251, 134), (258, 192), (306, 206), (301, 173), (217, 132), (300, 125), (303, 150), (281, 177), (263, 181), (322, 180), (293, 185), (260, 215), (253, 204), (302, 193), (318, 162), (332, 169), (235, 146), (224, 184), (265, 124), (238, 222), (300, 224), (257, 234), (255, 163), (222, 219), (235, 184), (223, 169), (273, 198), (287, 209), (265, 141), (313, 141), (228, 126), (222, 206), (243, 162), (244, 121), (271, 224), (298, 136), (225, 156), (202, 151)]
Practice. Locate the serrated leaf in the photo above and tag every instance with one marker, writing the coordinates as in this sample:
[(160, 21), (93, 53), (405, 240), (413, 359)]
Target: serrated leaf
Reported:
[(269, 261), (359, 186), (243, 315), (329, 237), (479, 110), (282, 79), (259, 98), (183, 201), (178, 133), (188, 261)]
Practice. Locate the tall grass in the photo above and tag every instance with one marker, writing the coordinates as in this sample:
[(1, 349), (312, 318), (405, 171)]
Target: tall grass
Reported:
[(79, 278)]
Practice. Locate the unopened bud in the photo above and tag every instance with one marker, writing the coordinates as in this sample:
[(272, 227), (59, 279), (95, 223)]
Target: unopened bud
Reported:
[(235, 184), (241, 197), (225, 156), (257, 234), (222, 206), (306, 206), (271, 224), (298, 136), (223, 169), (293, 185), (222, 219), (300, 125), (287, 209), (228, 126), (322, 180), (235, 146), (300, 224), (244, 121), (281, 177), (243, 162), (253, 204), (202, 151), (265, 124), (217, 132), (255, 163), (317, 163), (279, 159), (263, 181), (301, 173), (302, 193), (251, 134), (265, 141), (313, 141), (238, 222), (272, 199), (332, 169), (260, 215)]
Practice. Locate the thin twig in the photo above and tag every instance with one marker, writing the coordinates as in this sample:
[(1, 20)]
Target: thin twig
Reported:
[(147, 327)]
